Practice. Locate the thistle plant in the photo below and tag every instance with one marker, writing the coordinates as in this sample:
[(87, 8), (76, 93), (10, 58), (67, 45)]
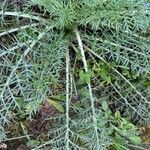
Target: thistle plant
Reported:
[(97, 49)]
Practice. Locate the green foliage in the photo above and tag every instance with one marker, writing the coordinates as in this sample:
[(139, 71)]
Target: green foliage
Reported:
[(115, 38), (33, 143), (103, 71), (86, 77), (127, 130), (104, 105), (57, 105)]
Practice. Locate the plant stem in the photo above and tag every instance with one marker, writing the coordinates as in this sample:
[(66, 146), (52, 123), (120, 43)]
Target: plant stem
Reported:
[(18, 29), (67, 99), (89, 86), (20, 14), (92, 52)]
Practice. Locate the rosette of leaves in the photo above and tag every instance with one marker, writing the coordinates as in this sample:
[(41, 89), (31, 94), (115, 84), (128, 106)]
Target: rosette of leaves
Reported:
[(34, 42)]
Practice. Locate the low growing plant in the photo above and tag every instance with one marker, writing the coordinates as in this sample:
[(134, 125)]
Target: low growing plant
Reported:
[(89, 59)]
